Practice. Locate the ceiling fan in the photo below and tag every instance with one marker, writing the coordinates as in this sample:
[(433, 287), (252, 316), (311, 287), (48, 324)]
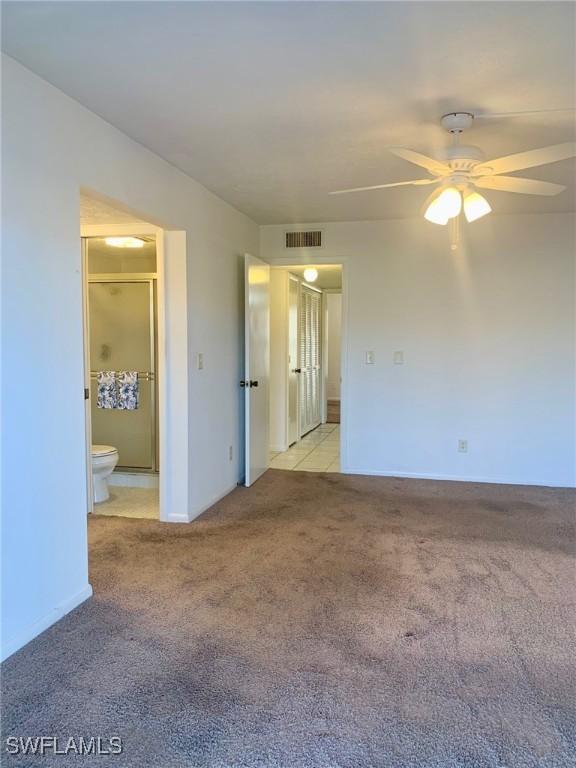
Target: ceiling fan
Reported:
[(463, 170)]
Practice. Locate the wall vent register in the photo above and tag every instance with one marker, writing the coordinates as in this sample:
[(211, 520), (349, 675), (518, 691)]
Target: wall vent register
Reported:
[(311, 239)]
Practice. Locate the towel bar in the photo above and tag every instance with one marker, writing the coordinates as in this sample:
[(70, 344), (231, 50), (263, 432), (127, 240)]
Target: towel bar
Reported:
[(144, 375)]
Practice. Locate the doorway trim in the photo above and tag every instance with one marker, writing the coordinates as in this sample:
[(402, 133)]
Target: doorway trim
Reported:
[(294, 260), (172, 364)]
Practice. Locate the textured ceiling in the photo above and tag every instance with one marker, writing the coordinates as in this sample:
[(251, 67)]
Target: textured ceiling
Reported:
[(94, 211), (272, 105)]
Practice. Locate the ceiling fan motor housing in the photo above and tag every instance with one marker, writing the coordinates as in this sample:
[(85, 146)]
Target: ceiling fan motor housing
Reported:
[(462, 158), (456, 122)]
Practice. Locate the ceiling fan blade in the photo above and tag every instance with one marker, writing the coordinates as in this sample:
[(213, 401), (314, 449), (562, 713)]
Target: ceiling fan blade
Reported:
[(522, 186), (416, 183), (529, 159), (437, 167), (523, 113)]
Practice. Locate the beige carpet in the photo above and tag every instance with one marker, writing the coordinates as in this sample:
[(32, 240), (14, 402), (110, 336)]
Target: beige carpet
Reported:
[(319, 621)]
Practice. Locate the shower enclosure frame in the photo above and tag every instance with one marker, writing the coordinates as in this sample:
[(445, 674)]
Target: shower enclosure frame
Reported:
[(150, 278)]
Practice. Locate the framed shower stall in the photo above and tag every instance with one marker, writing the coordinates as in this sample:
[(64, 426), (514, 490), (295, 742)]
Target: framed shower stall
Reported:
[(122, 316)]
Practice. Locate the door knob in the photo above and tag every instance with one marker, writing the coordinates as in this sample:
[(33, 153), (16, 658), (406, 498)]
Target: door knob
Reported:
[(297, 370), (253, 383), (243, 383)]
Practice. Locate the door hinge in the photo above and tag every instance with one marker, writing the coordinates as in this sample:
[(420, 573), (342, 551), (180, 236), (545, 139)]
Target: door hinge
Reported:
[(86, 393)]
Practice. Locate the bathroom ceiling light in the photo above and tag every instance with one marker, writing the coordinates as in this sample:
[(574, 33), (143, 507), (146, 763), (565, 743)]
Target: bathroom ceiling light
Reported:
[(125, 242), (310, 274)]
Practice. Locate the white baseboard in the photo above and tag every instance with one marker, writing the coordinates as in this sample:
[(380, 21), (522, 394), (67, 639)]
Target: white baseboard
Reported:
[(278, 448), (177, 518), (194, 513), (134, 480), (455, 478), (18, 641), (199, 510)]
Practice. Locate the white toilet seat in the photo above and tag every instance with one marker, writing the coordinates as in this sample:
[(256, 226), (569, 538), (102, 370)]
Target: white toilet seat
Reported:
[(103, 450), (104, 458)]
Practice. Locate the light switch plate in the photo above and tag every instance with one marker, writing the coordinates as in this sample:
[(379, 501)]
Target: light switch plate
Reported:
[(370, 357), (399, 358), (200, 360)]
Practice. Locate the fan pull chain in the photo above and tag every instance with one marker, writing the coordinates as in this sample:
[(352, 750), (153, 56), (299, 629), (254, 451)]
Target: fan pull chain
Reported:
[(454, 233)]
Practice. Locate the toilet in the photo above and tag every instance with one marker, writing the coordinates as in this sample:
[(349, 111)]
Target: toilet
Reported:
[(104, 459)]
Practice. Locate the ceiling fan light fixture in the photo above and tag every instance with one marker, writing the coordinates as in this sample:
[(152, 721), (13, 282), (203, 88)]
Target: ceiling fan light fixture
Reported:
[(310, 274), (446, 206), (435, 216), (475, 206)]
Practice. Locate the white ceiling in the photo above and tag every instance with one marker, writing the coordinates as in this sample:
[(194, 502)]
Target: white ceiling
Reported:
[(272, 105)]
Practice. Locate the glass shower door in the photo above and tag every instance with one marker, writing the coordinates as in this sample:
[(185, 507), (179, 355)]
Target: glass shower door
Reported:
[(122, 331)]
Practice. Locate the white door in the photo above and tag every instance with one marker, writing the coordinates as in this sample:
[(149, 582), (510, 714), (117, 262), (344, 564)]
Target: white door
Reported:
[(293, 369), (256, 366), (310, 343)]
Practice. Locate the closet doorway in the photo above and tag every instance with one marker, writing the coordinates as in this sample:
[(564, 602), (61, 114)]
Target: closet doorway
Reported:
[(301, 337)]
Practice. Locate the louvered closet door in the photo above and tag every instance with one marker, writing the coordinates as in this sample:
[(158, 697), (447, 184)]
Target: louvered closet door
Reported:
[(310, 359)]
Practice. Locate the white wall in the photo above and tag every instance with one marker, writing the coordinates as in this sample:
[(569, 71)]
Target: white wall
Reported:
[(334, 306), (51, 146), (488, 340)]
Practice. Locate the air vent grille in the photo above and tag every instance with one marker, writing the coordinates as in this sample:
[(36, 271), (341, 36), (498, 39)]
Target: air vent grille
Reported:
[(311, 239)]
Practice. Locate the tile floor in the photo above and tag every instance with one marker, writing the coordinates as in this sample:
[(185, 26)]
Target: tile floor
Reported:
[(130, 502), (318, 451)]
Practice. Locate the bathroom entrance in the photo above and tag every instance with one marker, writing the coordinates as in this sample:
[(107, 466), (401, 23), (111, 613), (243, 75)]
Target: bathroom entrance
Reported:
[(122, 332)]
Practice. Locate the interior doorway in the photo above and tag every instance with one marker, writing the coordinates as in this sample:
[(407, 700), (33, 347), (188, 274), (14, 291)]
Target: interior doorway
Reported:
[(305, 367), (135, 300), (122, 340)]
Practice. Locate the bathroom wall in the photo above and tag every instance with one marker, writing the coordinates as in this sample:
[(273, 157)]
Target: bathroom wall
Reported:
[(51, 147), (103, 258)]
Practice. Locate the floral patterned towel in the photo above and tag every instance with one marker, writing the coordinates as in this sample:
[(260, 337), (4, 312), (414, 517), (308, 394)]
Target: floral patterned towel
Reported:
[(107, 389), (127, 390)]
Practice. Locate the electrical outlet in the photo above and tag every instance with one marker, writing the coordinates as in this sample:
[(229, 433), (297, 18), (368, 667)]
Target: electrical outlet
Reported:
[(230, 453), (463, 446), (200, 360)]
